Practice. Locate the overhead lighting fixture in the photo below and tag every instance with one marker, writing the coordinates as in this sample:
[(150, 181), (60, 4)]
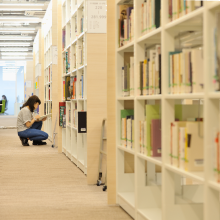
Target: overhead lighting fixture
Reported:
[(13, 54), (21, 9), (15, 38), (15, 44), (18, 31), (13, 58), (21, 4), (21, 18), (13, 49), (13, 24)]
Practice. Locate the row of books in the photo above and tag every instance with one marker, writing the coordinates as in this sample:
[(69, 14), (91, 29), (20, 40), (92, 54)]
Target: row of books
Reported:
[(47, 108), (216, 49), (186, 146), (47, 92), (70, 86), (125, 24), (81, 24), (150, 132), (75, 114), (63, 39), (150, 73), (150, 15), (128, 78), (186, 71), (66, 62), (127, 128), (179, 8), (48, 75)]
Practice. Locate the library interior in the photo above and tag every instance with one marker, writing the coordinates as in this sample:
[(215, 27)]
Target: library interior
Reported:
[(110, 109)]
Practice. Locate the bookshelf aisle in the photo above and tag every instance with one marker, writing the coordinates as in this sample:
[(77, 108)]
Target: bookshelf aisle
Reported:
[(167, 109), (79, 48)]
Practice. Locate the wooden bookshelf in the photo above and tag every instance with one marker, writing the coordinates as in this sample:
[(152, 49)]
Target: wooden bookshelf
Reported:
[(83, 149), (151, 188), (50, 68)]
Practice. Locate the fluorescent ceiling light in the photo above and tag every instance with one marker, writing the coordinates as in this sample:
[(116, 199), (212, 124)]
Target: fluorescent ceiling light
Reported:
[(13, 49), (14, 45), (15, 38), (13, 58), (18, 31), (13, 54), (21, 9), (15, 29), (22, 18), (3, 4), (8, 67), (13, 24)]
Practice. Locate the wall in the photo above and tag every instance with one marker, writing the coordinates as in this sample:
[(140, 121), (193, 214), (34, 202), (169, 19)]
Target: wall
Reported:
[(28, 76), (8, 88), (20, 85)]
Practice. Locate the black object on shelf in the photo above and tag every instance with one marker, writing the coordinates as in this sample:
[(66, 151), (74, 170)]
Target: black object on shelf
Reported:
[(82, 122)]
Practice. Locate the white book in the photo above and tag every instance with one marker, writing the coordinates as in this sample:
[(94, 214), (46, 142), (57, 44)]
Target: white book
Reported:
[(129, 133), (145, 17), (122, 80), (153, 15), (157, 66), (182, 132), (145, 137), (150, 77), (197, 70), (175, 145), (122, 132), (171, 75), (148, 15), (142, 137), (182, 69), (131, 76), (125, 32)]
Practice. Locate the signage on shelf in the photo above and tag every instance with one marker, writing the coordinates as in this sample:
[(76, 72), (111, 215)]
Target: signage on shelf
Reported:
[(97, 17)]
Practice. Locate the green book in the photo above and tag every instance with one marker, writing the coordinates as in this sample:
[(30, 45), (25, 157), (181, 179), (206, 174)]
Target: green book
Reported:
[(152, 112)]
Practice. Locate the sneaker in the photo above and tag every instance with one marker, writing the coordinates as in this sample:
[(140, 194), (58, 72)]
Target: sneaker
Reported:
[(24, 141), (39, 143)]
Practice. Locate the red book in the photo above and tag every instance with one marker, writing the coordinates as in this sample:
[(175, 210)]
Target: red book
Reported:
[(156, 137)]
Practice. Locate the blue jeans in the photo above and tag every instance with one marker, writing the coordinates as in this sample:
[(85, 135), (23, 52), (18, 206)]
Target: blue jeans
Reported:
[(34, 133)]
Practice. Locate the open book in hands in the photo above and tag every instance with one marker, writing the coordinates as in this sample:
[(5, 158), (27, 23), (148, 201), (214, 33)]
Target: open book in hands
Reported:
[(44, 116)]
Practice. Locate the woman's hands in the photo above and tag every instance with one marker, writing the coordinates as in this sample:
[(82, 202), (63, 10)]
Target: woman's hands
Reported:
[(37, 117), (44, 119)]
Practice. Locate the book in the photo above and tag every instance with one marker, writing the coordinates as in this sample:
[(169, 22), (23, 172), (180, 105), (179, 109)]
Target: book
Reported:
[(124, 114), (179, 8), (194, 152), (67, 89), (156, 137), (152, 112)]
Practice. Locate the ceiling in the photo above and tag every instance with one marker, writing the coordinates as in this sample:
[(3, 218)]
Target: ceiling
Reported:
[(19, 23)]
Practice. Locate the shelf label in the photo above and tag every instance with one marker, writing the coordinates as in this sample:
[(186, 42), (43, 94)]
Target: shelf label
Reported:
[(97, 17), (54, 55)]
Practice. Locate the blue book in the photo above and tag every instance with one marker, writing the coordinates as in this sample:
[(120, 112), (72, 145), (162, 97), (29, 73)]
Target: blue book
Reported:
[(128, 18)]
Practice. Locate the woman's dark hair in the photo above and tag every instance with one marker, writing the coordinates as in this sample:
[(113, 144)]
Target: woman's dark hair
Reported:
[(31, 101)]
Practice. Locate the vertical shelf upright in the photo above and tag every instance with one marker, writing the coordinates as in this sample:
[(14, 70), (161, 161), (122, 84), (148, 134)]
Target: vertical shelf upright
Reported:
[(156, 187), (47, 27), (39, 69), (77, 45)]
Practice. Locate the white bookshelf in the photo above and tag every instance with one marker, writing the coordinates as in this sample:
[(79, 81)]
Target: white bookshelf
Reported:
[(74, 144), (48, 43), (163, 194)]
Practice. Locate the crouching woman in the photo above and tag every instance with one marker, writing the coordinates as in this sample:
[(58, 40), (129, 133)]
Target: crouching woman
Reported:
[(28, 126)]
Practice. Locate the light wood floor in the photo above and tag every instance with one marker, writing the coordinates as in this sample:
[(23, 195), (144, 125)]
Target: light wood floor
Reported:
[(8, 120), (37, 183)]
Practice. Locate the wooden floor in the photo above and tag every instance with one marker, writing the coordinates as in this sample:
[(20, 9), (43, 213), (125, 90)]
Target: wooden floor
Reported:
[(38, 183)]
